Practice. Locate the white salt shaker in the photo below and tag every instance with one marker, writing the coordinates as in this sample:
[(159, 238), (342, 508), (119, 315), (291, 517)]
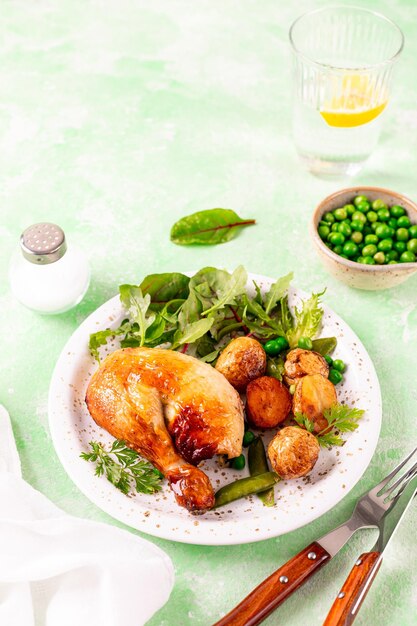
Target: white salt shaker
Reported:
[(46, 275)]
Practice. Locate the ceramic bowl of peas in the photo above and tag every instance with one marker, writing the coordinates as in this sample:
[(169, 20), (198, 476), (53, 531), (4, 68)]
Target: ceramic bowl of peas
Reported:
[(367, 236)]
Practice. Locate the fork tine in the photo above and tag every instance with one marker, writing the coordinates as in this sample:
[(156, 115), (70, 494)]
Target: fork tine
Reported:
[(401, 481), (379, 487)]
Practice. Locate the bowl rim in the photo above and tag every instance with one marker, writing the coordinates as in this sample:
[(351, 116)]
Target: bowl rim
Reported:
[(320, 210)]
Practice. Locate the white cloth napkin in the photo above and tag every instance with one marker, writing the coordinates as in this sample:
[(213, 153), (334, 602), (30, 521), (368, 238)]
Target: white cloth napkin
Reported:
[(59, 570)]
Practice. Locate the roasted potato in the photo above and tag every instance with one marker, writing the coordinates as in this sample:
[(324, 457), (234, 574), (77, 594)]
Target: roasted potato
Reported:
[(268, 402), (313, 394), (293, 452), (242, 360), (301, 363)]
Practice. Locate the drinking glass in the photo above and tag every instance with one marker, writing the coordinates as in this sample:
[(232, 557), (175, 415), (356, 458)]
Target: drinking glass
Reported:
[(343, 62)]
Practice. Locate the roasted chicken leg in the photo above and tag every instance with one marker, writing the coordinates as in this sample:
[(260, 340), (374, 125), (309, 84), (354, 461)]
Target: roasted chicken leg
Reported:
[(172, 409)]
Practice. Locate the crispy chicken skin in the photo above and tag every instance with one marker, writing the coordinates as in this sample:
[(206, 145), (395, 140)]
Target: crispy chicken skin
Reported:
[(173, 410)]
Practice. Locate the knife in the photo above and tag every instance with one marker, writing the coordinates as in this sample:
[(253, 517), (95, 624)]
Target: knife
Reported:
[(349, 600)]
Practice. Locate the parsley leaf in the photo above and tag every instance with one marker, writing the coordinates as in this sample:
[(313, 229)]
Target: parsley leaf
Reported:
[(123, 467), (341, 419)]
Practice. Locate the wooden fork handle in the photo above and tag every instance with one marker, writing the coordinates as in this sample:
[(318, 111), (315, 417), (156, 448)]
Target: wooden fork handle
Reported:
[(346, 606), (275, 589)]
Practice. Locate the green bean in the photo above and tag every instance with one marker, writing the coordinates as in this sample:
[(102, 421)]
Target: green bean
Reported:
[(245, 487), (324, 345), (258, 464)]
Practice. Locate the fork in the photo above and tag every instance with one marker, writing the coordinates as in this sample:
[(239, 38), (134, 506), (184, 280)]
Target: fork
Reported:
[(370, 512)]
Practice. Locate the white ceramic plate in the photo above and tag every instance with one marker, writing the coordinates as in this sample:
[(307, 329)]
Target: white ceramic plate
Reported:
[(298, 502)]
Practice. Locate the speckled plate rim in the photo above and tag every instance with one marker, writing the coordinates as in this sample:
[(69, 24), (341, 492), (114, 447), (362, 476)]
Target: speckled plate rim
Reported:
[(299, 502)]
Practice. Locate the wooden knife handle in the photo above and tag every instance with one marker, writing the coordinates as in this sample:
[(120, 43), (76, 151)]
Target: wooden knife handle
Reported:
[(346, 606), (276, 588)]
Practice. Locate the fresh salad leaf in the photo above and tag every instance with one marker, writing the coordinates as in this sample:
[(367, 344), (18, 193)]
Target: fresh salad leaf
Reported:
[(192, 332), (307, 320), (163, 288), (324, 345), (277, 292), (233, 286), (136, 306), (208, 227)]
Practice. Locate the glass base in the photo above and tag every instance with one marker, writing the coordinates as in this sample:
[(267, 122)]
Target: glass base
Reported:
[(326, 168)]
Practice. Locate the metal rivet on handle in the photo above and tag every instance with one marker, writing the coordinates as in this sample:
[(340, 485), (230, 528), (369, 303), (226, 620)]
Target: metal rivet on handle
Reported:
[(358, 562), (283, 579), (341, 595), (312, 556)]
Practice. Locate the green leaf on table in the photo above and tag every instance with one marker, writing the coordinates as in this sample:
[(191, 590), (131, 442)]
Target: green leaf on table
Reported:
[(208, 227), (307, 320), (165, 287)]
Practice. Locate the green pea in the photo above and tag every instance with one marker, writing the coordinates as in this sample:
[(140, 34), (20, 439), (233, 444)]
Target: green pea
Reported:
[(358, 217), (329, 359), (371, 216), (324, 231), (392, 255), (349, 208), (350, 249), (359, 259), (338, 249), (335, 227), (238, 463), (358, 199), (400, 246), (357, 225), (339, 365), (275, 346), (379, 204), (412, 246), (371, 239), (335, 376), (337, 239), (383, 215), (356, 237), (369, 250), (401, 234), (385, 245), (340, 214), (397, 211), (407, 257), (329, 217), (305, 343), (379, 258), (382, 231), (413, 231), (363, 207), (392, 262), (345, 229), (392, 223), (368, 260), (248, 437), (403, 222)]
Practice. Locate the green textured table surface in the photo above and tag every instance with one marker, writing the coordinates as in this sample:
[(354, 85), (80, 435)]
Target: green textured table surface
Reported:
[(117, 118)]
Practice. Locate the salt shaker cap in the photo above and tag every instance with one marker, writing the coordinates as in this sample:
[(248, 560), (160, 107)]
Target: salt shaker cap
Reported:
[(43, 243)]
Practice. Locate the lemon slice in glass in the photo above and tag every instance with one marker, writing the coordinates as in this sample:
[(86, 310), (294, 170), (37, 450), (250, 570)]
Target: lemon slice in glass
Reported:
[(358, 103)]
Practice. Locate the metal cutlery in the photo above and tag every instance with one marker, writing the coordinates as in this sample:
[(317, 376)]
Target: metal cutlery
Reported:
[(382, 507)]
